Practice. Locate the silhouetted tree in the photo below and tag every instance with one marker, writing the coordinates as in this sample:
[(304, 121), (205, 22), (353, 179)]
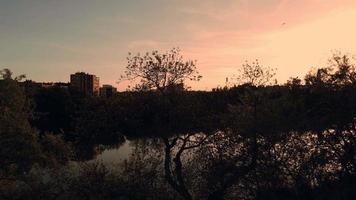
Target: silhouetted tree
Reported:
[(159, 71), (255, 74), (19, 148), (162, 72), (340, 72)]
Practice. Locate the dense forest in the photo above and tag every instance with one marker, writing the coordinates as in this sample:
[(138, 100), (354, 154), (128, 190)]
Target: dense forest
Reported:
[(255, 139)]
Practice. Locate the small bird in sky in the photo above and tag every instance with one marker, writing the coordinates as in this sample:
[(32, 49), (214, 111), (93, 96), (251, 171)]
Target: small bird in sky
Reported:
[(283, 24)]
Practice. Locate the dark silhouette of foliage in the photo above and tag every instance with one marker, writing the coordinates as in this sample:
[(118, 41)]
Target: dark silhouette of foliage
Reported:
[(19, 150), (256, 140), (159, 71)]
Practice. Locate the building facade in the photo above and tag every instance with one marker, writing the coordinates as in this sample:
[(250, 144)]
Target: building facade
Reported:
[(87, 84), (107, 91)]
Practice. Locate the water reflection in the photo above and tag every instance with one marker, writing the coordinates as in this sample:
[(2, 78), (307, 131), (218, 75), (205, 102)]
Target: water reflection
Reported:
[(116, 155), (112, 155), (90, 150)]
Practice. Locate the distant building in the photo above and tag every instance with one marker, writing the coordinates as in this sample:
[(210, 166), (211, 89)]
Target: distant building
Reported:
[(84, 83), (56, 84), (28, 84), (107, 91)]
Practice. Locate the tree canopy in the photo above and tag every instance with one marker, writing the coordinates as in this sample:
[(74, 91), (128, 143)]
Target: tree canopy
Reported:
[(155, 70)]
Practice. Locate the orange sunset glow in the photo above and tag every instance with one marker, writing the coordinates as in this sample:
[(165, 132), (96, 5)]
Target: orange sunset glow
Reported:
[(292, 36), (178, 99)]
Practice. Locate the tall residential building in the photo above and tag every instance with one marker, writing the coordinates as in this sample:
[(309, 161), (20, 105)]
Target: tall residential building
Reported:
[(107, 91), (84, 83)]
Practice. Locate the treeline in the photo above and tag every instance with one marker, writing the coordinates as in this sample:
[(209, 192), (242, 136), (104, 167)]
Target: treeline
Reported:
[(138, 114), (255, 140)]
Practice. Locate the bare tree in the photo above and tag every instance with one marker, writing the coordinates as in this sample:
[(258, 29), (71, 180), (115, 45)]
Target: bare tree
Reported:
[(255, 74), (159, 71), (162, 71), (173, 165)]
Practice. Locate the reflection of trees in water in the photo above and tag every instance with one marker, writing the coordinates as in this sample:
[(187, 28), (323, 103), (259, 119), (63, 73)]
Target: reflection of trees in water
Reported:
[(88, 150), (222, 166), (299, 165)]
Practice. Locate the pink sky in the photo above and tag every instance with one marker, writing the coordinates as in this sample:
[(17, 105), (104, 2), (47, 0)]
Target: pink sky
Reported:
[(290, 35)]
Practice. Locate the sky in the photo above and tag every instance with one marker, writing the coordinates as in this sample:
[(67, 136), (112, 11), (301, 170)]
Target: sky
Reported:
[(49, 39)]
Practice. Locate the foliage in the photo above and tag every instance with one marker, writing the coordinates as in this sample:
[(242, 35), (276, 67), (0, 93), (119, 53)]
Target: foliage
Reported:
[(340, 72), (255, 74), (55, 151), (252, 141), (21, 145), (18, 140), (159, 71)]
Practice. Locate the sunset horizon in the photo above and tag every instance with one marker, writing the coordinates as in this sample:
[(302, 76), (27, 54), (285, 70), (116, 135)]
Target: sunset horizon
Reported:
[(178, 99), (43, 40)]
